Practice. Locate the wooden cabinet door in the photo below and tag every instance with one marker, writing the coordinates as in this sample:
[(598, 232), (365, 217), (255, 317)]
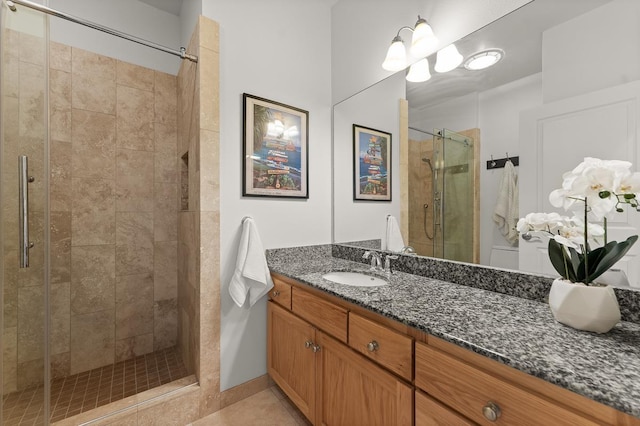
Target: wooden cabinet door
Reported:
[(354, 391), (291, 364)]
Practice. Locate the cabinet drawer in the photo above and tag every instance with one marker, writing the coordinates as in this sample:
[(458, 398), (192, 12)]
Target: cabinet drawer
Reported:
[(390, 349), (324, 315), (469, 390), (281, 293), (430, 412)]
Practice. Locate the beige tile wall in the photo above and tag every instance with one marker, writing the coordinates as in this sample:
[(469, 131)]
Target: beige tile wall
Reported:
[(113, 209), (24, 134), (117, 232), (199, 224), (419, 193)]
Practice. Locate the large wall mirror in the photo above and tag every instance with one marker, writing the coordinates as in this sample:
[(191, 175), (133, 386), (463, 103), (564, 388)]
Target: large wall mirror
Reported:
[(567, 87)]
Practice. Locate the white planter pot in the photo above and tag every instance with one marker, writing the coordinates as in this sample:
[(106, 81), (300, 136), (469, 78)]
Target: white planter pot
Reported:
[(588, 308)]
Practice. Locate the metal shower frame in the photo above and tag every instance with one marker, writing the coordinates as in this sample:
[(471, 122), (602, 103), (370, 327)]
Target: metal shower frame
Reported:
[(31, 5)]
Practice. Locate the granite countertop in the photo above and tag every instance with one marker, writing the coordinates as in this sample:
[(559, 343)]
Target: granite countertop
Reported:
[(517, 332)]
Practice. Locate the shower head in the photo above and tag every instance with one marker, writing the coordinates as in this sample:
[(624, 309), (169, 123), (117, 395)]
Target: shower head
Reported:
[(428, 161)]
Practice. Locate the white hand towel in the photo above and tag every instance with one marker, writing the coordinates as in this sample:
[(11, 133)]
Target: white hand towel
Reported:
[(505, 214), (251, 275), (393, 237)]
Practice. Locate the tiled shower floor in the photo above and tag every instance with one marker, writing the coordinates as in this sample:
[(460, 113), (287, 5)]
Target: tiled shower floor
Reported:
[(84, 391)]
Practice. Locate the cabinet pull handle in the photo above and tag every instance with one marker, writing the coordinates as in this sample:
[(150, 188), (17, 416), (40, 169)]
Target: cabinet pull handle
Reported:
[(308, 344), (491, 411), (275, 293), (372, 346), (315, 348)]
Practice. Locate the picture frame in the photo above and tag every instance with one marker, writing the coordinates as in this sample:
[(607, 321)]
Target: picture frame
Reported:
[(275, 149), (371, 164)]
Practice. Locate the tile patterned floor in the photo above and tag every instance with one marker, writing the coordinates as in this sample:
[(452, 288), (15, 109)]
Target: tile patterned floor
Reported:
[(84, 391), (270, 407)]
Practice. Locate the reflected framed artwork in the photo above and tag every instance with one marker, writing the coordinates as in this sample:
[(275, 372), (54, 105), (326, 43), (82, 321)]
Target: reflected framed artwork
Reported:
[(371, 164), (275, 149)]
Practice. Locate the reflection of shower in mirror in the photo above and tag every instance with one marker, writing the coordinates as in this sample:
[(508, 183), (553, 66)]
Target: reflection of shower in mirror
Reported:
[(441, 196)]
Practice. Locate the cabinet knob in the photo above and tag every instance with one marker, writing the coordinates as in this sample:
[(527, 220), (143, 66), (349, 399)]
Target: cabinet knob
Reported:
[(491, 411), (315, 348), (275, 293), (372, 346), (308, 344)]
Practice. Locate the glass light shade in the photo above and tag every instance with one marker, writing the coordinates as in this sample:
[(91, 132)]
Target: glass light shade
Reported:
[(423, 39), (419, 72), (484, 59), (396, 59), (447, 59)]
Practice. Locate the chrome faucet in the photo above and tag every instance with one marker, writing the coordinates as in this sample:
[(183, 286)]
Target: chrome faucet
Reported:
[(387, 263), (407, 250), (376, 260)]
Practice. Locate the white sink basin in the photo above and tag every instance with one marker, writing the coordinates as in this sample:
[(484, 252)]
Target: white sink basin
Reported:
[(355, 279)]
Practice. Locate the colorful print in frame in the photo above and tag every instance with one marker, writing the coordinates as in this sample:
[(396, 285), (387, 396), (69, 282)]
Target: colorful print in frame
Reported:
[(275, 149), (372, 164)]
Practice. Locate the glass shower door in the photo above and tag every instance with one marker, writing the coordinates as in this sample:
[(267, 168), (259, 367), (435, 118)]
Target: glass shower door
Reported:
[(23, 216), (454, 196)]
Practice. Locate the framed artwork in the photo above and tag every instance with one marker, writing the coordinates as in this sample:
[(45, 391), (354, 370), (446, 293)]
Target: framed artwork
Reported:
[(371, 164), (275, 149)]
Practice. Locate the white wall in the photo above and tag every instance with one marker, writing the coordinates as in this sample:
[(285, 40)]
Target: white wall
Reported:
[(455, 114), (280, 50), (129, 16), (362, 31), (377, 108), (189, 13), (499, 123), (599, 49)]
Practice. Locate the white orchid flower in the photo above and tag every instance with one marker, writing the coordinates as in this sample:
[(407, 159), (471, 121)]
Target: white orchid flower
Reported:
[(534, 222), (594, 231), (629, 184), (566, 242)]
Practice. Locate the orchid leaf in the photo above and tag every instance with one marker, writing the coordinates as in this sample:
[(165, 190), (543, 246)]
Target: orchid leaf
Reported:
[(617, 251), (594, 258), (561, 262), (575, 258)]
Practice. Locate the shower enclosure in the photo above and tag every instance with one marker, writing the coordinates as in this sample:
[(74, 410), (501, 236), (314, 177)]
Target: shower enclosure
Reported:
[(443, 193), (89, 188)]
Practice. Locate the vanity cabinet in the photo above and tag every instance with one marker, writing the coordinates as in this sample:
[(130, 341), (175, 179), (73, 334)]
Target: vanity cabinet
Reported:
[(355, 391), (483, 397), (430, 412), (331, 383), (290, 357), (281, 293), (341, 364), (388, 348)]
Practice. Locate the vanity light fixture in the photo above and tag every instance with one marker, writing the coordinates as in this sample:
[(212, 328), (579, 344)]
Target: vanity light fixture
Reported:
[(396, 59), (419, 72), (422, 41), (447, 59), (483, 59)]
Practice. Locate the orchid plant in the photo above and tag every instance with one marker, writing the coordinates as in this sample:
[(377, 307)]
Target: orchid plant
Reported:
[(597, 188)]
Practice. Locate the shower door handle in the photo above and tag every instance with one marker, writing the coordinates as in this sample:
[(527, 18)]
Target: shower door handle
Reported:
[(23, 188)]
